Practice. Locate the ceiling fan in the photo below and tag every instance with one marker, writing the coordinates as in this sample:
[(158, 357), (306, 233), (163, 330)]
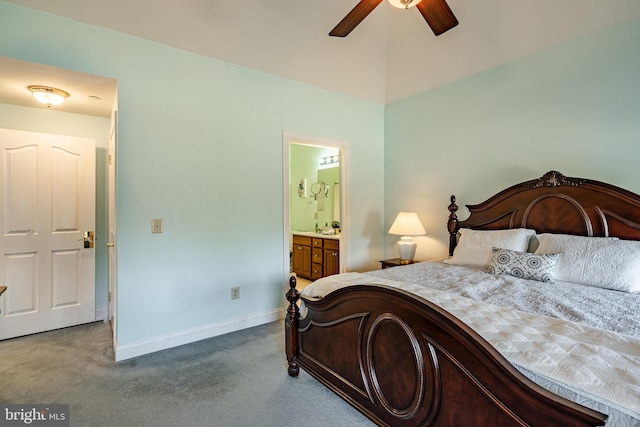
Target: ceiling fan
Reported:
[(436, 12)]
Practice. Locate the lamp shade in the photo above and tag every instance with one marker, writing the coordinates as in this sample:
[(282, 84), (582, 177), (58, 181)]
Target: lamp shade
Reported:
[(407, 224)]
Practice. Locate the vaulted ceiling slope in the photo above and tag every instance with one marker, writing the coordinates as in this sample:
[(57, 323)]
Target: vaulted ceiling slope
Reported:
[(392, 54)]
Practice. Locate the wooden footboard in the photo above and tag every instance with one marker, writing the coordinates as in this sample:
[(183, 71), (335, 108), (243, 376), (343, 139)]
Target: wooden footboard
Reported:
[(403, 361)]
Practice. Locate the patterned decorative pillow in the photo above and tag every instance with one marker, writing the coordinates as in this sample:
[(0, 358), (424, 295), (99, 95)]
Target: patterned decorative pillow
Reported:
[(523, 264)]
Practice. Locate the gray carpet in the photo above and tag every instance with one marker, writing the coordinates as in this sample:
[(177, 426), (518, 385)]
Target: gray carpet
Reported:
[(238, 379)]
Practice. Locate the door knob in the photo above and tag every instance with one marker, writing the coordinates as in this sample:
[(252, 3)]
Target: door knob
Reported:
[(87, 239)]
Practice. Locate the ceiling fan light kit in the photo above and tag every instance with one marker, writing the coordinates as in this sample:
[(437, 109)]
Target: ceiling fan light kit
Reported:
[(437, 13), (404, 4)]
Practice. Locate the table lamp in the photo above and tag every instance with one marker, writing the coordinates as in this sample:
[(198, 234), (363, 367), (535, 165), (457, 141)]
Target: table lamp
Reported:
[(407, 224)]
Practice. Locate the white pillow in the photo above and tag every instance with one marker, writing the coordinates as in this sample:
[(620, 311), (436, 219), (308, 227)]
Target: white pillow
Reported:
[(475, 247), (595, 261)]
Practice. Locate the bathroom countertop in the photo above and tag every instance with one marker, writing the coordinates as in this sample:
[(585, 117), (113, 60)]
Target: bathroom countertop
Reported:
[(314, 234)]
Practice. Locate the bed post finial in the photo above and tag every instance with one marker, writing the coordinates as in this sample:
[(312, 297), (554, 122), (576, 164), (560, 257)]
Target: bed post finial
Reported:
[(291, 327), (452, 225)]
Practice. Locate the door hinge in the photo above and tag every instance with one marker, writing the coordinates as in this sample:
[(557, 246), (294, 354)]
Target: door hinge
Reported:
[(109, 297)]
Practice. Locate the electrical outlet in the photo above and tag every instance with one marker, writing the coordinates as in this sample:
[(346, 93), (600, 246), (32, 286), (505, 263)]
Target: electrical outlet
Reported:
[(235, 292)]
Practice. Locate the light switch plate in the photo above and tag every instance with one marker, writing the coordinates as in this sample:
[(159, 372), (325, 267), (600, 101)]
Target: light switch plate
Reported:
[(156, 225)]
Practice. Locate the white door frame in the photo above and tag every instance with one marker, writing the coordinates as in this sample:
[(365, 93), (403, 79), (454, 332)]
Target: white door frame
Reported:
[(112, 180), (345, 232)]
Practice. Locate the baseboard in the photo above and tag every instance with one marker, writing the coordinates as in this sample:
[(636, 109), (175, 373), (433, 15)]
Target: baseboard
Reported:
[(102, 313), (128, 351)]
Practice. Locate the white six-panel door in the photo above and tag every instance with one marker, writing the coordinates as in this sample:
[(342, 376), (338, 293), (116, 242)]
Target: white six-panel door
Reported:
[(47, 203)]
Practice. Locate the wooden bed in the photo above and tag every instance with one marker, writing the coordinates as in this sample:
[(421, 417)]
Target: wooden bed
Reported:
[(402, 360)]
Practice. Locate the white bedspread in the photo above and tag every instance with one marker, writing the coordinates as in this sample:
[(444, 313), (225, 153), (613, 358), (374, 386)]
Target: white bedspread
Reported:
[(592, 366), (603, 308)]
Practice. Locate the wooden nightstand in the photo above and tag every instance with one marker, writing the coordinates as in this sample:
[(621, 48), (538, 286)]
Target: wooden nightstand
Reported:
[(393, 262)]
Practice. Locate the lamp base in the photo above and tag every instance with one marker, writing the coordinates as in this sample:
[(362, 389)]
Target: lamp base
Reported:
[(407, 249)]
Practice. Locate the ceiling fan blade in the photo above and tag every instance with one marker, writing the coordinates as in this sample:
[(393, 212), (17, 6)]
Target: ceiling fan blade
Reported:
[(438, 15), (354, 17)]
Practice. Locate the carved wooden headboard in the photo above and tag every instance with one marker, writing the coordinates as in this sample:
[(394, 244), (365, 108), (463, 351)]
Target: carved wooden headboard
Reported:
[(555, 203)]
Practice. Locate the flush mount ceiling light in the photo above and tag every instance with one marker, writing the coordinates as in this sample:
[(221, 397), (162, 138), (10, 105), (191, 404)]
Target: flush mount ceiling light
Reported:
[(48, 95)]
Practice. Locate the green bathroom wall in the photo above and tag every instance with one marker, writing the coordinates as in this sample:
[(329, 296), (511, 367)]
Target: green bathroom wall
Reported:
[(325, 206), (306, 212), (303, 161)]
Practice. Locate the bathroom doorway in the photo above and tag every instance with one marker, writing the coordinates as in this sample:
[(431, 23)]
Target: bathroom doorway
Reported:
[(315, 190)]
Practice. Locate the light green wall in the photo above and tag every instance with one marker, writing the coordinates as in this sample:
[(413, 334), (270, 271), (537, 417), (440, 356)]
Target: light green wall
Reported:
[(200, 145), (574, 108), (97, 128)]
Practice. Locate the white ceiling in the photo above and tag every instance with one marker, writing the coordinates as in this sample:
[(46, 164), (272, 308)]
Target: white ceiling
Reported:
[(88, 94), (392, 54)]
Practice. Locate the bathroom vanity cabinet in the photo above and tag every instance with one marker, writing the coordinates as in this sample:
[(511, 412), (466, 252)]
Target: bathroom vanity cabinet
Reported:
[(314, 256)]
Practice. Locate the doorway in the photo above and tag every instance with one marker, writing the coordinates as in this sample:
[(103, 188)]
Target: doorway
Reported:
[(315, 193), (89, 115), (47, 198)]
